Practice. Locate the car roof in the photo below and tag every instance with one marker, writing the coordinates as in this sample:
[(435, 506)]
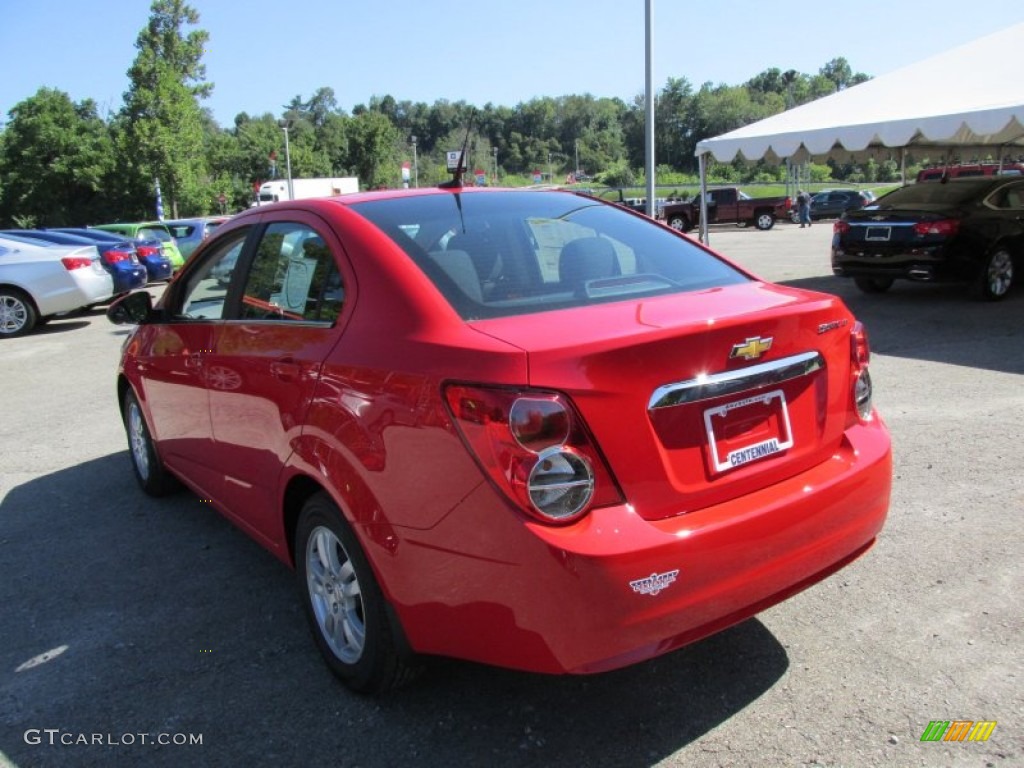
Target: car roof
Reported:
[(354, 198), (51, 236), (195, 220), (92, 233), (132, 225), (18, 239)]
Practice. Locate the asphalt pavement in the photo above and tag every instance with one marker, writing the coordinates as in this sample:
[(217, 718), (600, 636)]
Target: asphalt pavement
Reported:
[(148, 632)]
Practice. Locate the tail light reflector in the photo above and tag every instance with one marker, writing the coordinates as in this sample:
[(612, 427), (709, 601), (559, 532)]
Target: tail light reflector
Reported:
[(76, 262), (534, 447), (860, 354), (146, 251), (841, 227), (945, 227), (113, 256)]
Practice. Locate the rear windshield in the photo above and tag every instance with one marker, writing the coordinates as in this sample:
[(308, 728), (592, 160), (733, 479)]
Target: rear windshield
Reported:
[(952, 192), (153, 233), (500, 254)]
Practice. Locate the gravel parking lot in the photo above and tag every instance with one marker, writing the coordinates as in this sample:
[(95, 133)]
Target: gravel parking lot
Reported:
[(132, 628)]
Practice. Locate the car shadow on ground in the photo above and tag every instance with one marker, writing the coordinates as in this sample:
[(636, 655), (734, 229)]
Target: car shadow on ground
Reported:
[(127, 615), (58, 325), (939, 323)]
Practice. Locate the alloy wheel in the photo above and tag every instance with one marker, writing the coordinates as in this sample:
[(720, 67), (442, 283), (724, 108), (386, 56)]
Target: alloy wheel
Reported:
[(335, 595)]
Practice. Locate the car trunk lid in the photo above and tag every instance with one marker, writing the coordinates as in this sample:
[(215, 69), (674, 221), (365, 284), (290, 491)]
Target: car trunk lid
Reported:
[(693, 405)]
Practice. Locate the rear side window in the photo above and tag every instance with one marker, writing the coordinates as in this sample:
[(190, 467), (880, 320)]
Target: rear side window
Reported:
[(493, 255), (293, 277)]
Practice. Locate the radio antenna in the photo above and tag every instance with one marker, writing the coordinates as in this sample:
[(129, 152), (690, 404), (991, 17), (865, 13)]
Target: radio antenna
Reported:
[(456, 182)]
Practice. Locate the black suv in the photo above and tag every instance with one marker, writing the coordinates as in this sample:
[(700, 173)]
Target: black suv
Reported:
[(962, 230), (833, 203)]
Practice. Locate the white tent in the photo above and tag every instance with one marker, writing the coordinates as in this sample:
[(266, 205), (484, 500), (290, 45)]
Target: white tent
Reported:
[(970, 98)]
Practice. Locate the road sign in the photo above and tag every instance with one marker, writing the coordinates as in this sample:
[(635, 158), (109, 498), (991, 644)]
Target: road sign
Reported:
[(453, 160)]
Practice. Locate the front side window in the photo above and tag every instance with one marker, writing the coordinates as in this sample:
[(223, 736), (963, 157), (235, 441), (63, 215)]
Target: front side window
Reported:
[(206, 289), (293, 277)]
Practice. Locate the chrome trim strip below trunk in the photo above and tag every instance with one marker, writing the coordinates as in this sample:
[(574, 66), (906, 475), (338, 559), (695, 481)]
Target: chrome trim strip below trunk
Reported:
[(707, 387)]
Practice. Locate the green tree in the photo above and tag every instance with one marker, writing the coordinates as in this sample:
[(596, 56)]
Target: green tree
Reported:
[(56, 158), (841, 74), (373, 143), (163, 119)]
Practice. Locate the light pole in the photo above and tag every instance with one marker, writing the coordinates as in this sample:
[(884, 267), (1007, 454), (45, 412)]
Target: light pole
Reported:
[(577, 145), (287, 158), (415, 164), (495, 151)]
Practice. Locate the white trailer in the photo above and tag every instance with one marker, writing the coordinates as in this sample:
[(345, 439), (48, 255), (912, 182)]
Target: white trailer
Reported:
[(277, 190)]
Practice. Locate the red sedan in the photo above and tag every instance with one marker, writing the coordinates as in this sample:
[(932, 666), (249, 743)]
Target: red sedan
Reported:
[(527, 428)]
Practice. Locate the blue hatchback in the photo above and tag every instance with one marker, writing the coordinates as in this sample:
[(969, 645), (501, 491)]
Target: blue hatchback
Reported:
[(149, 253), (117, 257)]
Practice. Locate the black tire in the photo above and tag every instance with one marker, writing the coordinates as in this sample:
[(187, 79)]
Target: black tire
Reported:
[(680, 223), (152, 476), (347, 612), (18, 314), (873, 284), (996, 278), (764, 220)]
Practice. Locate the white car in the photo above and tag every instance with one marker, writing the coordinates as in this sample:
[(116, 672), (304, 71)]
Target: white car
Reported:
[(38, 281)]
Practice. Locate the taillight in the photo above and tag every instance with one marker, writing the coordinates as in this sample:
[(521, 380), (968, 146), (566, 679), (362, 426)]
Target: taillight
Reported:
[(113, 256), (945, 227), (841, 227), (76, 262), (534, 446), (860, 355), (145, 251)]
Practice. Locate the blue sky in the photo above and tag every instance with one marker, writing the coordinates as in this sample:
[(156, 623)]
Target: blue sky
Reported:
[(262, 54)]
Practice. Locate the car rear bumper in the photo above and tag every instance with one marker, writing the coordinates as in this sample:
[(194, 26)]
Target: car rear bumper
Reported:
[(73, 292), (614, 589), (927, 264), (158, 269), (128, 278)]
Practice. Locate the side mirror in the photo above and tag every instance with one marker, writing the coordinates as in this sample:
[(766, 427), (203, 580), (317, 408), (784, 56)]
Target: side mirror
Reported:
[(133, 309)]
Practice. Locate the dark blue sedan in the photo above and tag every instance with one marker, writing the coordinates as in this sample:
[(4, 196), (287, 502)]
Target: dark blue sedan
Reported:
[(150, 253), (117, 257)]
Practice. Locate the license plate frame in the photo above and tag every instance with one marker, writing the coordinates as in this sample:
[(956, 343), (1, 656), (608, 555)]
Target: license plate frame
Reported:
[(770, 435), (878, 234)]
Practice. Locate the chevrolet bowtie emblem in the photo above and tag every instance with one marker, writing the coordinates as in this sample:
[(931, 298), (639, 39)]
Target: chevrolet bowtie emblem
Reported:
[(751, 349)]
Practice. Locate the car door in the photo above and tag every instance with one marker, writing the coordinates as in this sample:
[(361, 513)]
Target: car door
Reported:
[(173, 368), (265, 361)]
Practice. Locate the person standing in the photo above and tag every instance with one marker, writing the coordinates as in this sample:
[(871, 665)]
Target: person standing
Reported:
[(803, 208)]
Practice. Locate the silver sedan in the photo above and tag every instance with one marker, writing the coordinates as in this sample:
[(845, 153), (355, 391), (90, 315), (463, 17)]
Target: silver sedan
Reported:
[(38, 281)]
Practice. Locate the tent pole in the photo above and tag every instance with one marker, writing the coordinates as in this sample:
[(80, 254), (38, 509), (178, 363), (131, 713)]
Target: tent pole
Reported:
[(649, 158), (702, 163)]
